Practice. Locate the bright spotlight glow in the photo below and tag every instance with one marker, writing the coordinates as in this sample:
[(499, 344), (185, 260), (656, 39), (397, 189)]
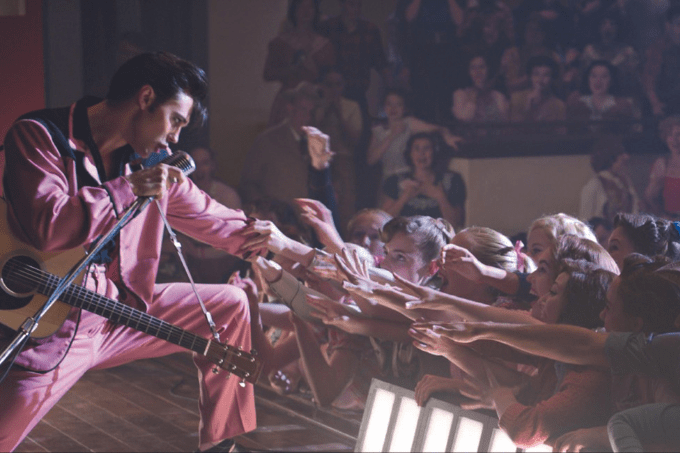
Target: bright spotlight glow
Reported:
[(379, 419), (438, 430), (500, 442), (539, 449), (468, 435), (405, 428)]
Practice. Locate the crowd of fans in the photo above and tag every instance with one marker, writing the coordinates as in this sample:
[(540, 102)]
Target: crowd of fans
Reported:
[(572, 339)]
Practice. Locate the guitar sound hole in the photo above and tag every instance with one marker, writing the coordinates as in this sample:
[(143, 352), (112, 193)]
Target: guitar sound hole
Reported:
[(20, 276)]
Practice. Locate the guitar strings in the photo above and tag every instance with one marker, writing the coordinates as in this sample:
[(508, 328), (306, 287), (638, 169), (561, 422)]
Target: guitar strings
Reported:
[(124, 312)]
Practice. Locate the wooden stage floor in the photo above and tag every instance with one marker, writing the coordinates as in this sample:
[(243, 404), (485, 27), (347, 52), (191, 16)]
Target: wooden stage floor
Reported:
[(151, 405)]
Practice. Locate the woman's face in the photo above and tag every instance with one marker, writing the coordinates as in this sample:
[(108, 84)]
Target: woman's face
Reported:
[(620, 246), (478, 72), (599, 80), (404, 258), (549, 307), (541, 76), (614, 317), (394, 107), (366, 233), (537, 241), (673, 140), (422, 153), (543, 277)]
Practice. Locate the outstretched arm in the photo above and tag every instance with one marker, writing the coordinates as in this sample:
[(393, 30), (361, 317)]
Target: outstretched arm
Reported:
[(563, 343)]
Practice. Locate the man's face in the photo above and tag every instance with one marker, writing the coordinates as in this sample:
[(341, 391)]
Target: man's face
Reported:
[(301, 113), (156, 126)]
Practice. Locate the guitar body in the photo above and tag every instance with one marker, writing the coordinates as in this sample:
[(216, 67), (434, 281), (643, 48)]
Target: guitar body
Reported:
[(27, 277), (17, 300)]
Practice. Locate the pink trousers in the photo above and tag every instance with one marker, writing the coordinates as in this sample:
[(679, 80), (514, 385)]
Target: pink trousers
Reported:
[(226, 408)]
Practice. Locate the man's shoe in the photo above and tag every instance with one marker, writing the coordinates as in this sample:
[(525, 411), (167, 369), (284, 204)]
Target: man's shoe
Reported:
[(226, 446)]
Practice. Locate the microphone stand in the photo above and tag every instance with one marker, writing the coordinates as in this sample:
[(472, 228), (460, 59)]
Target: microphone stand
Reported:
[(31, 323)]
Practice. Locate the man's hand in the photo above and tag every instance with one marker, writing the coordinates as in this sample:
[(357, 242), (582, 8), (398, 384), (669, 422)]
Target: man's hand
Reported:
[(155, 181), (318, 145)]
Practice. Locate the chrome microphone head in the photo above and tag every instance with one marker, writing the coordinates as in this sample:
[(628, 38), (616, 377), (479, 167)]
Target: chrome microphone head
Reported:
[(181, 160)]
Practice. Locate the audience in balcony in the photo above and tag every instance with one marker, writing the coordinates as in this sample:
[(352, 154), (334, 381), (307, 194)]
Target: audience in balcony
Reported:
[(515, 59), (388, 141), (599, 101), (538, 103), (299, 53), (427, 187), (662, 194), (620, 54), (479, 102)]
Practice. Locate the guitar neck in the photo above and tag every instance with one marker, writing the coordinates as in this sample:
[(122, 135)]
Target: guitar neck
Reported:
[(119, 313)]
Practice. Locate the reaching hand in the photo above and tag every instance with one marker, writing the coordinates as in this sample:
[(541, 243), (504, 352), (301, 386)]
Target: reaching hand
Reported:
[(155, 181), (331, 313), (590, 439), (430, 384), (461, 261), (426, 339), (320, 218), (459, 332), (452, 140), (318, 145), (263, 234)]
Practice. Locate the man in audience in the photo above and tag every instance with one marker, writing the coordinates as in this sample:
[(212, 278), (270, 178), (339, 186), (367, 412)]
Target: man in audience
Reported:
[(278, 163)]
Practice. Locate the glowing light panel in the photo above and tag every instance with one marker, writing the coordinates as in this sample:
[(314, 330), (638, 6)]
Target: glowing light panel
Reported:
[(468, 435), (405, 428), (500, 442), (438, 430), (379, 419)]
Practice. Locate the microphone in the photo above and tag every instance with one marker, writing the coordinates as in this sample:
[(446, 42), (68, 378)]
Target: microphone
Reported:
[(181, 160)]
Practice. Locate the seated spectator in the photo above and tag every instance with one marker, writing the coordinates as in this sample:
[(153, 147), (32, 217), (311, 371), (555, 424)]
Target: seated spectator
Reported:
[(341, 119), (388, 141), (661, 73), (643, 234), (539, 102), (479, 102), (621, 55), (611, 190), (558, 22), (490, 34), (428, 187), (599, 101), (662, 195), (299, 53), (516, 58)]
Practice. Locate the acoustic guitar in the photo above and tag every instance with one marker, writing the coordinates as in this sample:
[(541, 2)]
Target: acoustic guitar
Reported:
[(28, 277)]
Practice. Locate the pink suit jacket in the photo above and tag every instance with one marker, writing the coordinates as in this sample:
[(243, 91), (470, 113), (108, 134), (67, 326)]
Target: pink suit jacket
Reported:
[(50, 213)]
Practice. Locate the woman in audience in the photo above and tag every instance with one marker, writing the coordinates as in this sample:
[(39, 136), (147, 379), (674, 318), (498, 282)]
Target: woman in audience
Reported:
[(558, 399), (662, 194), (479, 102), (644, 234), (342, 377), (538, 103), (297, 54), (427, 187), (599, 101), (611, 190), (644, 299), (388, 141)]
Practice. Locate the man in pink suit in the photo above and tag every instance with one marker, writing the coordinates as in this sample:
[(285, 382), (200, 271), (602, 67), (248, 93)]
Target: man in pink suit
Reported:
[(67, 179)]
